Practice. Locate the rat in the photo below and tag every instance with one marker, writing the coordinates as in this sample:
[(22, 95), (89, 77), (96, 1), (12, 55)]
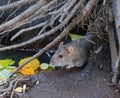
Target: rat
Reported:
[(73, 54)]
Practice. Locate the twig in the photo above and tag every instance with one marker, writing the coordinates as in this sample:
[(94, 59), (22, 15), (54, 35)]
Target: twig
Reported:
[(47, 33), (11, 23), (43, 9), (13, 89), (27, 29), (30, 19), (36, 38), (44, 28), (9, 87), (111, 32), (67, 7), (104, 2), (20, 24), (12, 13), (16, 4), (73, 11)]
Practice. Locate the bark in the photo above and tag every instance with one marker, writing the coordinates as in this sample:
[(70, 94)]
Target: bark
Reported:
[(116, 12)]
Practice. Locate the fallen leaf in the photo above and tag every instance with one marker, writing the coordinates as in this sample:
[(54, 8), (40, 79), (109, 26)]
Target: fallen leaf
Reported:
[(35, 64), (27, 70), (4, 74), (74, 36), (6, 62), (50, 67), (19, 90), (11, 68), (44, 66)]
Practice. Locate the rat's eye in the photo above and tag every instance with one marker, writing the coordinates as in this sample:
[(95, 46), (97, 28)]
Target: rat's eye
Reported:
[(60, 56)]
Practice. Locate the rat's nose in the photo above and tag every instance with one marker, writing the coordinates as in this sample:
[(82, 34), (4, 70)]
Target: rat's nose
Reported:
[(52, 61)]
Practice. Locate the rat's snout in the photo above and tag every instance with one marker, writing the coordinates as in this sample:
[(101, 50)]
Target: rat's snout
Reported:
[(52, 61)]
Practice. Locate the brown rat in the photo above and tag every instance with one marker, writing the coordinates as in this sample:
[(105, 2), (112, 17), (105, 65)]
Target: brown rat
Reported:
[(73, 54)]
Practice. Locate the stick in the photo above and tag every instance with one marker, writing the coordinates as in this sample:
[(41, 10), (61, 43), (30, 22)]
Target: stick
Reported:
[(111, 32), (16, 4), (52, 31), (11, 23), (116, 13)]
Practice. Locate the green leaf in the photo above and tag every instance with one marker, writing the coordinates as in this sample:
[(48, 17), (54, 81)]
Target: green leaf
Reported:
[(44, 66), (10, 67), (50, 68), (74, 36), (6, 62), (47, 67)]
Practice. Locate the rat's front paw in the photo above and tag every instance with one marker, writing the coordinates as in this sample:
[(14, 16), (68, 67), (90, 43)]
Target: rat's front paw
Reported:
[(69, 67)]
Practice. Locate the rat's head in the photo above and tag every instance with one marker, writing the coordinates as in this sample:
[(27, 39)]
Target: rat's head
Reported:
[(62, 57)]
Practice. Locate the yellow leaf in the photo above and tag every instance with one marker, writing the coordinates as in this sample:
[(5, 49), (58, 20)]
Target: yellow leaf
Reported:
[(27, 70), (35, 64)]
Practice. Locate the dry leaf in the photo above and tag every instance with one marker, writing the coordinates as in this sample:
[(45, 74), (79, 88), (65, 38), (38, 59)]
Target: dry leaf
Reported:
[(18, 89)]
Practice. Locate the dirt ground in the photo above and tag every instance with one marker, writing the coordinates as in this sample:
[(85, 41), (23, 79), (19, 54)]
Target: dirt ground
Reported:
[(90, 81), (87, 83)]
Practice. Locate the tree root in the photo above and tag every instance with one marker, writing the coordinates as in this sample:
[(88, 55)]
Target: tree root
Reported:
[(16, 4)]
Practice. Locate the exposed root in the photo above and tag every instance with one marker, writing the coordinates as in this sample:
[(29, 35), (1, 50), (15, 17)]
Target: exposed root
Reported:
[(28, 29), (16, 4), (52, 31), (11, 24)]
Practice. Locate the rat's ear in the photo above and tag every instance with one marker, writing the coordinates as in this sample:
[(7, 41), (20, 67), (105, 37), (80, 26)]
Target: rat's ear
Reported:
[(61, 45), (70, 50)]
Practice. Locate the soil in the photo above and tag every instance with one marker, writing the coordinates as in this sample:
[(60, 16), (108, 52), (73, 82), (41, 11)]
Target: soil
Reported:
[(88, 83)]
